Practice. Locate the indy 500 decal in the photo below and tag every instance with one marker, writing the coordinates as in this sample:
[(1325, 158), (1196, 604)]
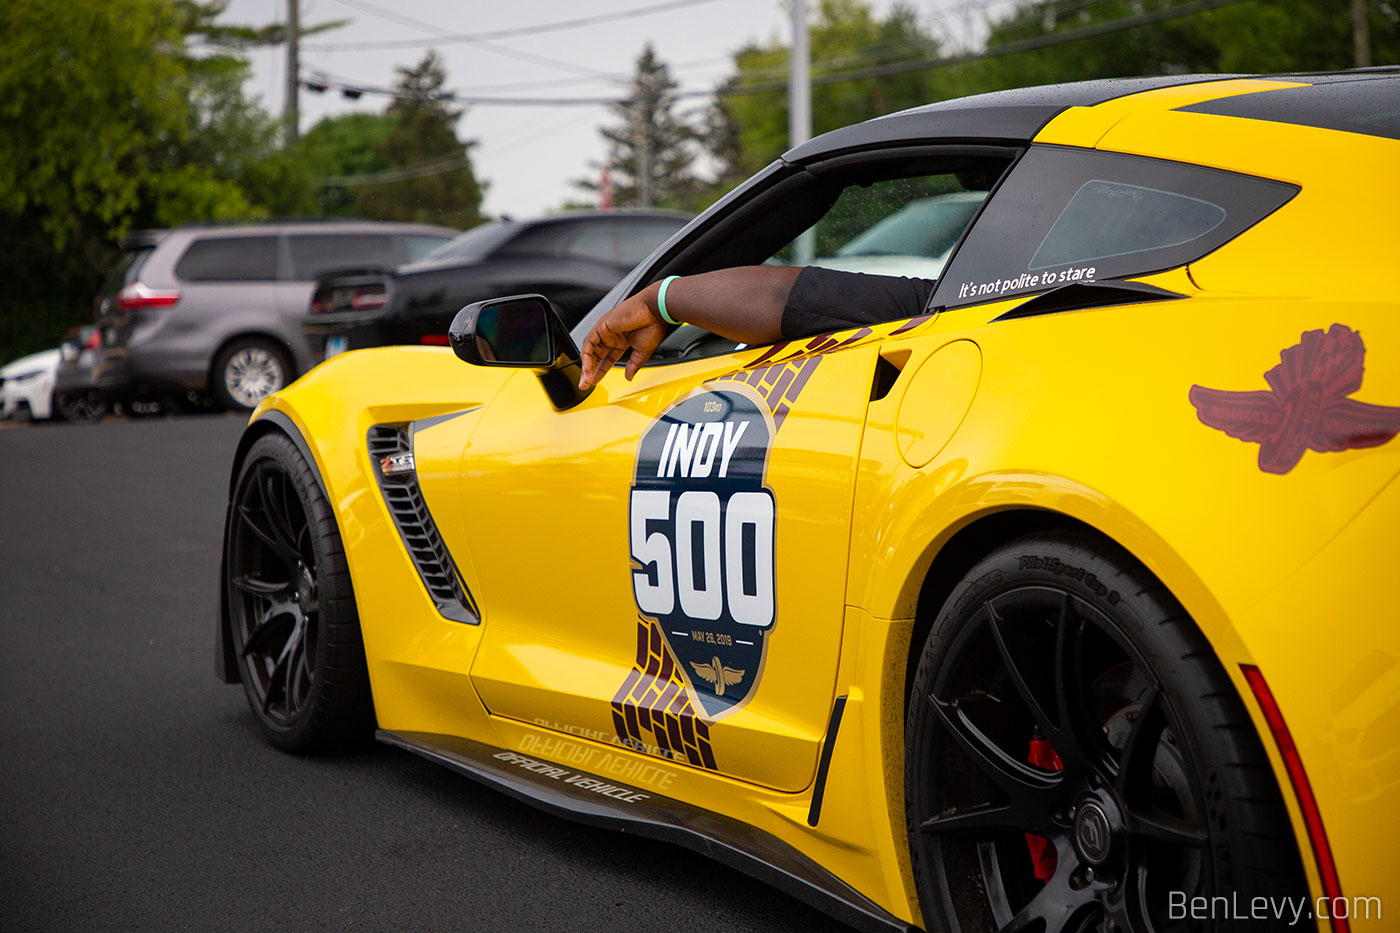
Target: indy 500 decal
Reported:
[(701, 531)]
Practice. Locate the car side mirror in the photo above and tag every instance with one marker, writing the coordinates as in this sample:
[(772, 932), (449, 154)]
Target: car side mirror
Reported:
[(523, 332)]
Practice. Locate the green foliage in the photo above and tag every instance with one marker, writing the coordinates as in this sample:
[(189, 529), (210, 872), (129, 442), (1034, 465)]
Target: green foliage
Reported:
[(844, 35), (651, 150), (432, 179), (341, 147)]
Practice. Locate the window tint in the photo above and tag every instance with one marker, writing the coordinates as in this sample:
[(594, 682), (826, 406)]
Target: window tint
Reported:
[(635, 241), (1106, 219), (1073, 215), (314, 254), (900, 226), (420, 245), (230, 259), (126, 270), (475, 244), (597, 241)]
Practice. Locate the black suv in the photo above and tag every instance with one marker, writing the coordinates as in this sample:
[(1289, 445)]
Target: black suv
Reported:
[(572, 259)]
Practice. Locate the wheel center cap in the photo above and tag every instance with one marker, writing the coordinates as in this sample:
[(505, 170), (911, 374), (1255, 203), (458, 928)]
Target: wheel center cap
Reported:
[(1093, 833)]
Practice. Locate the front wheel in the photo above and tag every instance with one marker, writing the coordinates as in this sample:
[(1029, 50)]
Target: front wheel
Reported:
[(1076, 759), (248, 371), (291, 608)]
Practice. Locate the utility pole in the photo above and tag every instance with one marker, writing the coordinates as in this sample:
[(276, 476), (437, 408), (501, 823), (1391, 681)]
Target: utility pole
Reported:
[(1360, 33), (800, 108), (642, 143), (290, 116)]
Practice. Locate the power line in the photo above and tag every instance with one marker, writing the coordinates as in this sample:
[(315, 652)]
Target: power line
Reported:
[(921, 64), (508, 33)]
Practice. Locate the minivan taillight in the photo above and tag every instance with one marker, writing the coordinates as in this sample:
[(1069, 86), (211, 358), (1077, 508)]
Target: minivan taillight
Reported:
[(373, 296), (140, 295)]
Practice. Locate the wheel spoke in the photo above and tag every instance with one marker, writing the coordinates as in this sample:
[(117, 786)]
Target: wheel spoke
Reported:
[(1053, 907), (978, 821), (279, 680), (995, 623), (1163, 829), (250, 584), (262, 632), (278, 516), (1140, 747), (1071, 742), (1017, 778)]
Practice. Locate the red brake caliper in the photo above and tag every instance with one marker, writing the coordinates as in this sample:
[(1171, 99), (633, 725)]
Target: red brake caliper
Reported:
[(1042, 755)]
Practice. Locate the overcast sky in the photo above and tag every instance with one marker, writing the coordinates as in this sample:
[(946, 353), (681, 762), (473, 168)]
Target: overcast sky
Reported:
[(528, 155)]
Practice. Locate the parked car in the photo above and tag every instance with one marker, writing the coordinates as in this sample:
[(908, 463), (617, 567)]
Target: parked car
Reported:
[(1063, 605), (26, 386), (214, 310), (573, 259), (75, 394)]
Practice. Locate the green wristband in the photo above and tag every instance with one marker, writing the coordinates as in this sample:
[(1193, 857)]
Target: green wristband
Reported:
[(661, 299)]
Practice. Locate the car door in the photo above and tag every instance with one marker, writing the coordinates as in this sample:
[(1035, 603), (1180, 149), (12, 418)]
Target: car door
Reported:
[(663, 566)]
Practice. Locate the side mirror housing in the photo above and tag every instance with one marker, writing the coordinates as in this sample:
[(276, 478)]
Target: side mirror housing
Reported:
[(521, 332)]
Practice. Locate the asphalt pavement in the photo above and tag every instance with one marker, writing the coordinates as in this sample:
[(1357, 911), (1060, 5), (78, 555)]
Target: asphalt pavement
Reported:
[(136, 792)]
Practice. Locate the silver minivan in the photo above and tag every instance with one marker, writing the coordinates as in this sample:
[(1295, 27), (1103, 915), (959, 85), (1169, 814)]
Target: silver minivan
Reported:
[(213, 311)]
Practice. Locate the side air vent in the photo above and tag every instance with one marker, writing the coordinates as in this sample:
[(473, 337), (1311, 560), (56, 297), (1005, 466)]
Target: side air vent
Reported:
[(391, 451)]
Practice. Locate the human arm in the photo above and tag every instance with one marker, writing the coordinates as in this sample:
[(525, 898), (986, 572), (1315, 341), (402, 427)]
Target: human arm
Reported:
[(744, 304)]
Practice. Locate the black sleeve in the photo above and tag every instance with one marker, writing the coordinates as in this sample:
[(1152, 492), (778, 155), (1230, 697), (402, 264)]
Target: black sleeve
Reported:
[(823, 300)]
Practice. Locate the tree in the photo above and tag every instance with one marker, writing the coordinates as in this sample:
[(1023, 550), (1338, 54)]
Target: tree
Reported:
[(339, 148), (651, 152), (430, 178), (748, 130)]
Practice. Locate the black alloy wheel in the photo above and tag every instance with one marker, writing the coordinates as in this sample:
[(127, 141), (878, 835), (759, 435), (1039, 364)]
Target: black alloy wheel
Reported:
[(79, 408), (1076, 759), (295, 630)]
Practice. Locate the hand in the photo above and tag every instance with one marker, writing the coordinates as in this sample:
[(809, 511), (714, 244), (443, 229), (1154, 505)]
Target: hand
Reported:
[(635, 324)]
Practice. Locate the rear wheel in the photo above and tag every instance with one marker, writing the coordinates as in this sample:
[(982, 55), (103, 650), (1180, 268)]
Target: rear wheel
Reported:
[(296, 634), (79, 408), (247, 371), (1076, 758)]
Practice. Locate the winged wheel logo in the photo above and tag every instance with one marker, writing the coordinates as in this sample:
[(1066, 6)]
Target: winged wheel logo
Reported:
[(1306, 405), (716, 673)]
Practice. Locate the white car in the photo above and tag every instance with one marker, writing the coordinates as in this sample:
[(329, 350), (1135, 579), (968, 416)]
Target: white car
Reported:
[(27, 385)]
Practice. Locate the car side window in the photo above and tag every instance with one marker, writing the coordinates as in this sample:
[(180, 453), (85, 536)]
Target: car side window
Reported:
[(900, 226), (314, 254), (635, 241), (595, 241), (229, 259), (417, 246), (1074, 215)]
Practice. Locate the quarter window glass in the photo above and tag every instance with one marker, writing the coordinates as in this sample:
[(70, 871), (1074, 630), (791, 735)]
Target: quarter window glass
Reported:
[(1074, 215), (230, 259), (1107, 218), (420, 246), (314, 255)]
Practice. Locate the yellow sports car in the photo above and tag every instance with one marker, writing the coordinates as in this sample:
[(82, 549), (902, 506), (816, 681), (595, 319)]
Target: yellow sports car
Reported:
[(1058, 605)]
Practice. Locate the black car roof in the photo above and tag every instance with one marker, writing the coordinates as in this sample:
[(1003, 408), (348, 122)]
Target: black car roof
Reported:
[(1017, 115)]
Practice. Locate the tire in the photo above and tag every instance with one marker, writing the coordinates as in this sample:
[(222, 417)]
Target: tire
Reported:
[(247, 371), (79, 409), (291, 608), (1077, 759)]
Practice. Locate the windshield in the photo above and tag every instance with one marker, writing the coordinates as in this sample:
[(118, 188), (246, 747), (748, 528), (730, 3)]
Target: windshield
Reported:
[(126, 270), (475, 244)]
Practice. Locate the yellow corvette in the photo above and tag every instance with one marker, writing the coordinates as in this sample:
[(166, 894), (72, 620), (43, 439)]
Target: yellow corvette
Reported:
[(1059, 606)]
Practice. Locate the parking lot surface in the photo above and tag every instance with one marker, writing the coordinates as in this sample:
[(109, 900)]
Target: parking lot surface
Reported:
[(139, 794)]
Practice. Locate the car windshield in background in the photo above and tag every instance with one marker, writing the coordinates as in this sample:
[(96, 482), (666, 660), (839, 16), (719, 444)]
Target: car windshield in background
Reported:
[(476, 243), (925, 228), (126, 270)]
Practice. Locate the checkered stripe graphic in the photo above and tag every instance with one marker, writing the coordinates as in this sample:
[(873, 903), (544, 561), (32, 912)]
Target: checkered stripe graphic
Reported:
[(779, 384), (653, 704)]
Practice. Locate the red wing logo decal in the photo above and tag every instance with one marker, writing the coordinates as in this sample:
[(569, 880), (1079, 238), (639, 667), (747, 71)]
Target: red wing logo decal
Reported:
[(1306, 406)]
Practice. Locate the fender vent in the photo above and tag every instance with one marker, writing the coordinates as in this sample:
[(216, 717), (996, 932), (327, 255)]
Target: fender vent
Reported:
[(391, 453)]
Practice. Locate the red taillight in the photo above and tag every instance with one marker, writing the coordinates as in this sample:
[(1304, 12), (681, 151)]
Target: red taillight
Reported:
[(94, 340), (140, 295), (365, 299), (434, 340), (1312, 815)]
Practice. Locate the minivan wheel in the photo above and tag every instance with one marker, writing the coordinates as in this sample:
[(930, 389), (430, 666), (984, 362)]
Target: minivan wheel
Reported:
[(247, 371)]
